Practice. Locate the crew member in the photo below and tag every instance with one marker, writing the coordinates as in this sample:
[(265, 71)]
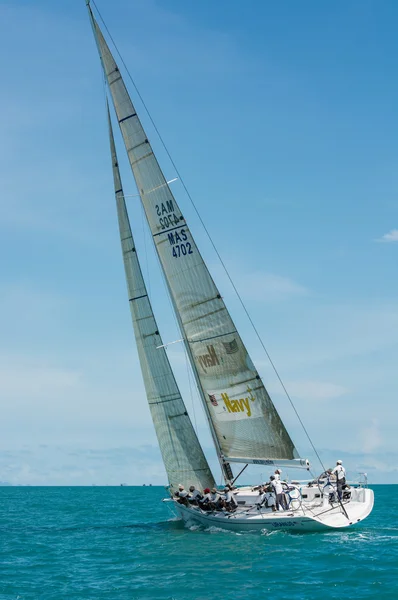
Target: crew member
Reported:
[(229, 499), (204, 503), (215, 499), (182, 495), (278, 491), (339, 471), (266, 497), (195, 495)]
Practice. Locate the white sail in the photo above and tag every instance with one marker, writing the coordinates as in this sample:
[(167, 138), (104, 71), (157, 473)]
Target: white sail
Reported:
[(182, 454), (242, 416)]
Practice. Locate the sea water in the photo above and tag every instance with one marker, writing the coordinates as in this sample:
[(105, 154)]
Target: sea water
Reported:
[(122, 543)]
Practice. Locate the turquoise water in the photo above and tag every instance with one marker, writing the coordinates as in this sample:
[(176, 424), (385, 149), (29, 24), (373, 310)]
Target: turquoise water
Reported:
[(119, 543)]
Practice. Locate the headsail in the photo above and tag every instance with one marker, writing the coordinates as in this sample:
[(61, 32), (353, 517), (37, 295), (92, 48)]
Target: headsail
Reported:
[(182, 454), (243, 418)]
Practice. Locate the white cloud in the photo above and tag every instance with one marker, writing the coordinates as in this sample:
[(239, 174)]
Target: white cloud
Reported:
[(391, 236), (262, 286), (81, 465), (29, 301), (313, 336), (380, 466), (370, 437), (76, 465), (30, 380), (315, 390)]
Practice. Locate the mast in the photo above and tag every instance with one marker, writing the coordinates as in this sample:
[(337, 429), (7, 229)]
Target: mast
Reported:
[(181, 451), (245, 424)]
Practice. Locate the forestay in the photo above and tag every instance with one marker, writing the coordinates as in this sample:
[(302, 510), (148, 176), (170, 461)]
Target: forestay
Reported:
[(241, 413), (182, 454)]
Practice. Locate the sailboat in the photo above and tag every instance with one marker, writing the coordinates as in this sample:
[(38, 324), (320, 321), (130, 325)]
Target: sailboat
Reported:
[(244, 423)]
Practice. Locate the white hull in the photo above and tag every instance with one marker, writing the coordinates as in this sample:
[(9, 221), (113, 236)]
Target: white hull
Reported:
[(307, 518)]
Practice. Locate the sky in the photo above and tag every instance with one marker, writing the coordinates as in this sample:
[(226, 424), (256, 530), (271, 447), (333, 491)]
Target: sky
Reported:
[(281, 118)]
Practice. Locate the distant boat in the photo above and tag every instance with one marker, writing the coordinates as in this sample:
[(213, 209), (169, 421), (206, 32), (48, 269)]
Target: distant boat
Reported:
[(245, 425)]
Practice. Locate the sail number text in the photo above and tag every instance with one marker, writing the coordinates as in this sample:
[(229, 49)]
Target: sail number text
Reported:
[(178, 239), (168, 218)]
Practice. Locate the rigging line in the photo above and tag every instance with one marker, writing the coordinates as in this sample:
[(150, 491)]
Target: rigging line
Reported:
[(211, 240)]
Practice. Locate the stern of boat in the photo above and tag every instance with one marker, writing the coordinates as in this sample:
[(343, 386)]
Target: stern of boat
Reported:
[(349, 513)]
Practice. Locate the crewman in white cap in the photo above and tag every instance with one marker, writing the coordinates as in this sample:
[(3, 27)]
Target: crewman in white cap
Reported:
[(266, 498), (278, 492), (215, 499), (194, 495), (339, 471), (229, 499), (182, 494)]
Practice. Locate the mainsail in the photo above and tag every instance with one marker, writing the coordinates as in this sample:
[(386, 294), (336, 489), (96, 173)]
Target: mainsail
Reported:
[(244, 421), (182, 454)]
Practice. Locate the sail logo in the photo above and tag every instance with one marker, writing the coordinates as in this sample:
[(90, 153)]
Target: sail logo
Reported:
[(213, 399), (242, 405), (231, 347), (208, 360)]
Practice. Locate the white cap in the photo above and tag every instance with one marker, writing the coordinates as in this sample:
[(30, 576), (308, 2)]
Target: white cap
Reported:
[(339, 462), (181, 486)]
